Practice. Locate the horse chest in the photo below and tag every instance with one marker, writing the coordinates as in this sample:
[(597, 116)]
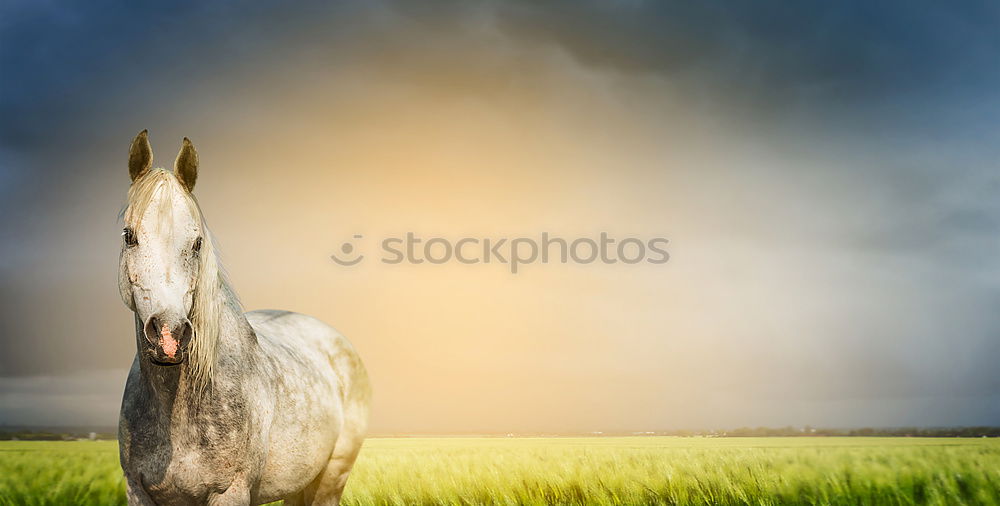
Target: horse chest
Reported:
[(185, 471), (185, 462)]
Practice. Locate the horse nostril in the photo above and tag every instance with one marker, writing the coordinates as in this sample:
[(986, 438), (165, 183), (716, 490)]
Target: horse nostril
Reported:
[(152, 330), (187, 331)]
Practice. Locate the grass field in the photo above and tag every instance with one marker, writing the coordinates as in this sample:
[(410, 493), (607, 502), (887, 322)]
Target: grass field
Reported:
[(584, 471)]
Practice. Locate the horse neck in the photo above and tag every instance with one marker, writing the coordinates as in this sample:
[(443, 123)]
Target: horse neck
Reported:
[(237, 343)]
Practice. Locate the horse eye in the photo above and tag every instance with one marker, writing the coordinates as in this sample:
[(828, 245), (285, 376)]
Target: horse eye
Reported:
[(130, 238), (197, 245)]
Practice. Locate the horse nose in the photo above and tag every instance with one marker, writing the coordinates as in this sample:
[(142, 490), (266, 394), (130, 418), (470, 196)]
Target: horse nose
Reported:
[(168, 337)]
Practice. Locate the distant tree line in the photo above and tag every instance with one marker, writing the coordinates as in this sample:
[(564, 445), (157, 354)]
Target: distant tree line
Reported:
[(45, 435), (22, 434), (808, 431)]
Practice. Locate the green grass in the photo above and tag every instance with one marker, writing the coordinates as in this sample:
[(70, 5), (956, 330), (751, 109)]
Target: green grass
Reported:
[(60, 472), (584, 471)]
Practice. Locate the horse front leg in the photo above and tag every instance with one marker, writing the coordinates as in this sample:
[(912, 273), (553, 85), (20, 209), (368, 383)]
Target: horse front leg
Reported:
[(238, 494), (135, 494)]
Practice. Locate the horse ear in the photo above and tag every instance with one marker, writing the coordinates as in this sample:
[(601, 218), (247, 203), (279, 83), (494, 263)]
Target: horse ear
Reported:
[(140, 156), (186, 166)]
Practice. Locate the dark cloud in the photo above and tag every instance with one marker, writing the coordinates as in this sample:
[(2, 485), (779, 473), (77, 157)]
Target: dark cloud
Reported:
[(846, 50)]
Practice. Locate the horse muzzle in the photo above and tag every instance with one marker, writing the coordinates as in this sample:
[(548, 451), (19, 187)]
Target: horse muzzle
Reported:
[(167, 339)]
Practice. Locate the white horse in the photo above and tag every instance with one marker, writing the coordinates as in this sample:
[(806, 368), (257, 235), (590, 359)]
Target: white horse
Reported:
[(223, 407)]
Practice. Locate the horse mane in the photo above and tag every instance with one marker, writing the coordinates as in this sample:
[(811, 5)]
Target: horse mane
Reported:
[(212, 289)]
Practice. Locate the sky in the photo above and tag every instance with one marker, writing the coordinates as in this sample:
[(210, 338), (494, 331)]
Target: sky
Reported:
[(825, 175)]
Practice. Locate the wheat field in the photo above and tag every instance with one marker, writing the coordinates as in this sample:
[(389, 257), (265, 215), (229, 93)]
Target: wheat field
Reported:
[(584, 471)]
